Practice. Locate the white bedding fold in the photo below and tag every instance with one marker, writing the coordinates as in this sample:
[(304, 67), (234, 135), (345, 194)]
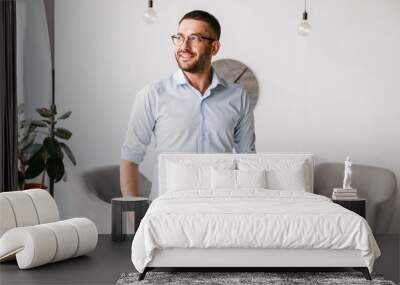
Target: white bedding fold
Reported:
[(250, 218)]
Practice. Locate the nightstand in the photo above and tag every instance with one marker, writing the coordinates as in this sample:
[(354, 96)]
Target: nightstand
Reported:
[(122, 204), (356, 205)]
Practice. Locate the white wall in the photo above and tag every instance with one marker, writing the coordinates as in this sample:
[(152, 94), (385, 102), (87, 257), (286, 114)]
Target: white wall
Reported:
[(333, 93)]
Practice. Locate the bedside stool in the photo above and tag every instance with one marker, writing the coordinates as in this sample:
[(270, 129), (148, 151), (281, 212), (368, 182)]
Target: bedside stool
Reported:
[(356, 205), (122, 204)]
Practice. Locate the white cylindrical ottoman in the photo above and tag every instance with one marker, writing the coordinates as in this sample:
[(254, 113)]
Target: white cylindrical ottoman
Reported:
[(40, 244)]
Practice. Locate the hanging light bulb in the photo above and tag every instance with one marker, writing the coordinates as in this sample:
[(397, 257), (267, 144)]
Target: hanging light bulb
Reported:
[(150, 15), (304, 27)]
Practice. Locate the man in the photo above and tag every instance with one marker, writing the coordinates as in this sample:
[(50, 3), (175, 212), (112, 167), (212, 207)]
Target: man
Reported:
[(192, 111)]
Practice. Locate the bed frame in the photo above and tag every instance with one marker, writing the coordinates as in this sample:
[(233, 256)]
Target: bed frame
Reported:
[(242, 259), (246, 259)]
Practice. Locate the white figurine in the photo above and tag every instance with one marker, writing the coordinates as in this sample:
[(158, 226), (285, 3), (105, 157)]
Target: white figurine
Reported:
[(347, 173)]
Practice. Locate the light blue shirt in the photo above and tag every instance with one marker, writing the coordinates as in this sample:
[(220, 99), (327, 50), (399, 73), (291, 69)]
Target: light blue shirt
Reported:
[(184, 120)]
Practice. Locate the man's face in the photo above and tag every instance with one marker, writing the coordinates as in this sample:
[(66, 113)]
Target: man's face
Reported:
[(195, 56)]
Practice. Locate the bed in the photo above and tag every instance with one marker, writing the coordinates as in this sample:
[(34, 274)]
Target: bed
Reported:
[(247, 210)]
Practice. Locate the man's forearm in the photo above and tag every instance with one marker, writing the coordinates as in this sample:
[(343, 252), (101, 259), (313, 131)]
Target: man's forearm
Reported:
[(129, 178)]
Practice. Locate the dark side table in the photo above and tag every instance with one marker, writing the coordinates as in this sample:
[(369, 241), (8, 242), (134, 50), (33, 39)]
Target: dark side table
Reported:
[(356, 205), (122, 204)]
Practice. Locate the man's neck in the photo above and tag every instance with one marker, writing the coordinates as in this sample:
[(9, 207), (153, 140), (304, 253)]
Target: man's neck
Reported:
[(201, 81)]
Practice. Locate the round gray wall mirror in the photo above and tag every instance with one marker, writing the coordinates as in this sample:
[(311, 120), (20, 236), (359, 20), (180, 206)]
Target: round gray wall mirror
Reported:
[(239, 73)]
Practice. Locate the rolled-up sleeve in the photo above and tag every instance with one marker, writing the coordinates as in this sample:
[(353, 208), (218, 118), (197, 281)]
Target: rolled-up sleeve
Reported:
[(244, 131), (140, 127)]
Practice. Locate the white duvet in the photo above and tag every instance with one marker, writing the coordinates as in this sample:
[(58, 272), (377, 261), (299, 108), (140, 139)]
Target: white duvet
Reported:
[(251, 218)]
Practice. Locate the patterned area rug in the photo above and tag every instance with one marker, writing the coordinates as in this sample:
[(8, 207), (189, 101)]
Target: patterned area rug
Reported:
[(243, 278)]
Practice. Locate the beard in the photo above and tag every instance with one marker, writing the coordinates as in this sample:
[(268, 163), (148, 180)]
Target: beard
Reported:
[(196, 65)]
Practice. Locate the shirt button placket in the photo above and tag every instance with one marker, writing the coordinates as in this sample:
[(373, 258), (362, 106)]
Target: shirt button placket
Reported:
[(202, 128)]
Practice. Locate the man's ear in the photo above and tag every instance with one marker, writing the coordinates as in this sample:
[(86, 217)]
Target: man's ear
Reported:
[(215, 47)]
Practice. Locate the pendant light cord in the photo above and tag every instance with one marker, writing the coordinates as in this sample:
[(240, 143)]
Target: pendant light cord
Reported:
[(305, 14)]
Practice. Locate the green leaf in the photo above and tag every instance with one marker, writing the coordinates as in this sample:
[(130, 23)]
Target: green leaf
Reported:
[(55, 168), (64, 116), (36, 156), (24, 131), (47, 122), (22, 135), (32, 128), (27, 141), (44, 112), (35, 168), (68, 152), (52, 148), (24, 123), (62, 133), (37, 123), (32, 149)]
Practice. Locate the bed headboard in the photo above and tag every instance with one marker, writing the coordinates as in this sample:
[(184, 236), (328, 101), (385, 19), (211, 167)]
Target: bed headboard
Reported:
[(272, 158)]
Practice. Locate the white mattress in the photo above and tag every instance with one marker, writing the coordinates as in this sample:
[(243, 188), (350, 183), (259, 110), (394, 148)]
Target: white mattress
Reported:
[(252, 218)]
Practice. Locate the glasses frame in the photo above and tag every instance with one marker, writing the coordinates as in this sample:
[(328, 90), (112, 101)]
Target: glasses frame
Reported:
[(174, 37)]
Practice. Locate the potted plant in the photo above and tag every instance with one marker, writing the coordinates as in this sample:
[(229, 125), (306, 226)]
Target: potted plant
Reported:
[(27, 134), (48, 156)]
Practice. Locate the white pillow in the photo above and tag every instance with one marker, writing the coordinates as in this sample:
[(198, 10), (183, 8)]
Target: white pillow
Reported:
[(251, 178), (281, 174), (292, 178), (187, 174), (183, 177), (237, 179), (223, 179)]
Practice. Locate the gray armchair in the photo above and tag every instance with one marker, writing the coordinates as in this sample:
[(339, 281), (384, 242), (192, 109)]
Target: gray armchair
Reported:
[(377, 185), (103, 182)]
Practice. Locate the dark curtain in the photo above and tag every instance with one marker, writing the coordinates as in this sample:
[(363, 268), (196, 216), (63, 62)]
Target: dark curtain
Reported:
[(8, 97)]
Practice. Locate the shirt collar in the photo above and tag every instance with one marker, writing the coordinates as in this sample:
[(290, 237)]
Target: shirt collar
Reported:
[(180, 79)]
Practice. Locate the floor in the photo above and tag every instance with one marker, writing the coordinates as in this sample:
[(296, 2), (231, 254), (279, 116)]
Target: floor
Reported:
[(110, 260), (102, 266)]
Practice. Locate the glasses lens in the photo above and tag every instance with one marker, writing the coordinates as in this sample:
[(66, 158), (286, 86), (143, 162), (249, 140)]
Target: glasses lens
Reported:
[(177, 40), (192, 39), (195, 39)]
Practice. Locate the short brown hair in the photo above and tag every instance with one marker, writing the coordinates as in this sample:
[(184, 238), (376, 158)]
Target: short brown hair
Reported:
[(205, 17)]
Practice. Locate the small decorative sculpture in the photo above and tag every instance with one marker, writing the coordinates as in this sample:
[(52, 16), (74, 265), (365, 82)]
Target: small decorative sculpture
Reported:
[(347, 173)]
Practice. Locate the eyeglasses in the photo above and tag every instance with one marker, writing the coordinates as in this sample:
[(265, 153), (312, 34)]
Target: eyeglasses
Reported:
[(193, 39)]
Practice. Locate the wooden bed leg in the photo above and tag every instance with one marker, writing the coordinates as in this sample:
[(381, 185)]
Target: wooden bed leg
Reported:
[(364, 271), (143, 274)]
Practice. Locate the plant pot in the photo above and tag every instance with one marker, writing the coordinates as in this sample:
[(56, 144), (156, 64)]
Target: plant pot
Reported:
[(34, 186)]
